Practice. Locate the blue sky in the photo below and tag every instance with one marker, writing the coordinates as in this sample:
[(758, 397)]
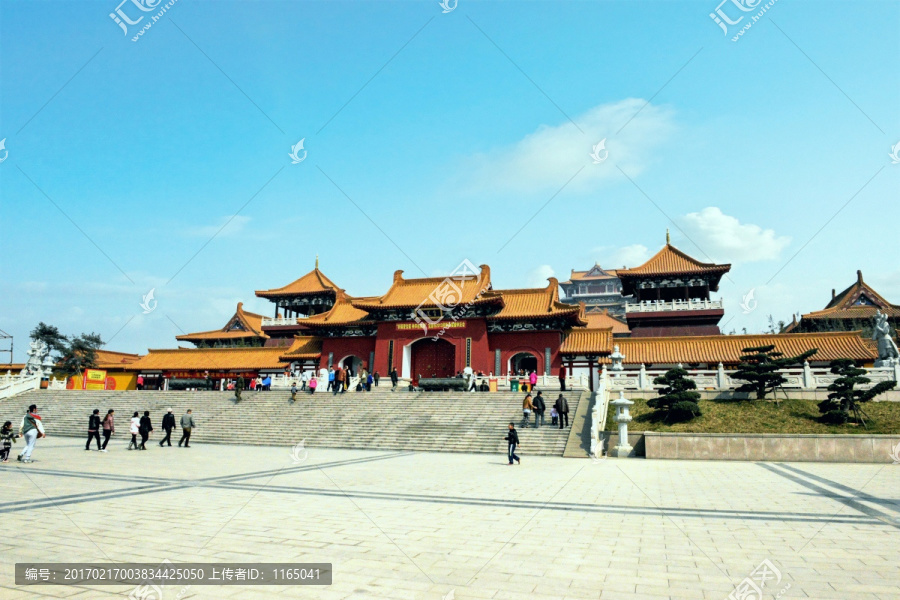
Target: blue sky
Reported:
[(450, 132)]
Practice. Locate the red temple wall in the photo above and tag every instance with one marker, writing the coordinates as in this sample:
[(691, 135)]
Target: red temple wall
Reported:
[(407, 332), (534, 342), (343, 347)]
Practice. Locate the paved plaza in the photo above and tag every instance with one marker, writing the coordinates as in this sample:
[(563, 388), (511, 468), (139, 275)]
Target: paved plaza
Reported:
[(434, 526)]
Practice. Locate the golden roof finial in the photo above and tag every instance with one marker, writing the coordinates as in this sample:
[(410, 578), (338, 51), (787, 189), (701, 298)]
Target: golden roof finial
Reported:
[(668, 238), (317, 261)]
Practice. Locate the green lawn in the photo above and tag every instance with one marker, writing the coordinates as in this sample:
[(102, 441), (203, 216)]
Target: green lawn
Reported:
[(760, 416)]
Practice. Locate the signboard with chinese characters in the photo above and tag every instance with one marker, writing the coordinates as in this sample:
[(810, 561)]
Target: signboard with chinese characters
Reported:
[(435, 325), (94, 379)]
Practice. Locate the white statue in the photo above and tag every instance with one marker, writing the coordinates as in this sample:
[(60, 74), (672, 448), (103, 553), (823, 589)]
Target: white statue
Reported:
[(39, 362), (887, 348), (618, 359)]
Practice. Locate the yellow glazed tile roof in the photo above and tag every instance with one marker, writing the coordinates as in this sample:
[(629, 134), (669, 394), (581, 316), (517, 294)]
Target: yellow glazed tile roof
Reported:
[(410, 293), (713, 349), (342, 313), (304, 346), (532, 302), (209, 359), (314, 282), (672, 261), (243, 324), (587, 342)]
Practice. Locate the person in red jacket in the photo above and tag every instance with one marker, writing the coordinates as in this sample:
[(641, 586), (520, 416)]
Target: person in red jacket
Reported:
[(562, 378)]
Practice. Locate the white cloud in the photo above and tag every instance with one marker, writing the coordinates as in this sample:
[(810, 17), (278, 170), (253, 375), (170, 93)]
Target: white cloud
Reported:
[(547, 158), (725, 239), (226, 226), (626, 256), (538, 276)]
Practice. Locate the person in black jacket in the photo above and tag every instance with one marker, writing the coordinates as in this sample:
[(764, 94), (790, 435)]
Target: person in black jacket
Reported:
[(513, 438), (145, 428), (93, 430), (539, 408), (168, 424), (562, 407), (394, 379)]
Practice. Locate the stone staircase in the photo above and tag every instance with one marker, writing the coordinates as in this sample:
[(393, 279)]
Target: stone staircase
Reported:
[(381, 419)]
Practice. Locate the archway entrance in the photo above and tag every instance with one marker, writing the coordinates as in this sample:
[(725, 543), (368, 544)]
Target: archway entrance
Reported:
[(432, 358), (523, 361), (354, 362)]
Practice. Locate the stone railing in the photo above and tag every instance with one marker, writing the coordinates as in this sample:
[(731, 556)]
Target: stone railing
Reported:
[(672, 305), (11, 384), (800, 378), (598, 415)]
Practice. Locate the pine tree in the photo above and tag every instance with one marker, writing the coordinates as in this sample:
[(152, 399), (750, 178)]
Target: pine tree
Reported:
[(677, 400), (51, 336), (80, 353), (845, 398), (760, 367)]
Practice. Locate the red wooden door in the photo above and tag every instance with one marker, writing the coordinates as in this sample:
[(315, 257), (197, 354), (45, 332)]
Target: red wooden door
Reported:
[(433, 359)]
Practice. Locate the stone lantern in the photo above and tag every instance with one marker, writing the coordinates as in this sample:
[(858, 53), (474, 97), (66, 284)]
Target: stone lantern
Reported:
[(623, 417)]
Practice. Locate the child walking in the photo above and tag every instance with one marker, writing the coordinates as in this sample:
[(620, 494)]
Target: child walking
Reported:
[(553, 416), (8, 438)]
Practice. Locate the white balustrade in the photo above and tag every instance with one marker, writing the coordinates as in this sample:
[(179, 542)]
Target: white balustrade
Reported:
[(798, 378), (672, 305), (276, 321)]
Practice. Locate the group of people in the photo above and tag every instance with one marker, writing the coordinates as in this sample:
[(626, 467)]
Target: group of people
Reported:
[(31, 428), (140, 426), (339, 381), (559, 412)]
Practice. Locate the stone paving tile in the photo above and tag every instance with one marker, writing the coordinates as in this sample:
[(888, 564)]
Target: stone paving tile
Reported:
[(418, 526)]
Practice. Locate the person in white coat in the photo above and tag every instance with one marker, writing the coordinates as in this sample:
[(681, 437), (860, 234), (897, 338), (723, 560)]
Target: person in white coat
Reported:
[(135, 430)]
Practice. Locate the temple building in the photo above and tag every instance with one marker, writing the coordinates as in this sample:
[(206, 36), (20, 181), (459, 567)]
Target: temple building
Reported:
[(438, 326), (670, 295), (599, 289), (243, 329), (850, 310)]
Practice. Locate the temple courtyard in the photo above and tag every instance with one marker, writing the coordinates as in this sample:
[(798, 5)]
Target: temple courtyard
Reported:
[(454, 526)]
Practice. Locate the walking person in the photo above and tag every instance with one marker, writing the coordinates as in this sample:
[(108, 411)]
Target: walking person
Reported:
[(370, 379), (562, 407), (238, 388), (7, 438), (145, 428), (187, 424), (293, 392), (339, 375), (513, 439), (376, 377), (109, 428), (539, 408), (394, 379), (527, 409), (313, 384), (331, 375), (532, 381), (347, 375), (135, 429), (31, 429), (93, 430), (304, 379), (140, 382), (168, 424), (562, 378)]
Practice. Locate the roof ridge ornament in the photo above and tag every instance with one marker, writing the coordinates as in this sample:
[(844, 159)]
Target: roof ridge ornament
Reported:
[(668, 237)]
